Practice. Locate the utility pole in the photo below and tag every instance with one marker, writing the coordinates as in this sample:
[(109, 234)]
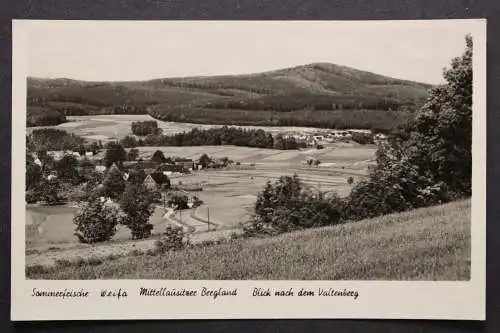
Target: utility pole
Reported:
[(208, 214), (164, 206)]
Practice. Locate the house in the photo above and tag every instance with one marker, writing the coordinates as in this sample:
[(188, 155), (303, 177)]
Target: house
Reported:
[(186, 163), (100, 168), (380, 136), (150, 183)]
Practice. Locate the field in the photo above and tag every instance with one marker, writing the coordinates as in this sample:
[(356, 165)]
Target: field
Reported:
[(424, 244), (116, 127), (228, 196)]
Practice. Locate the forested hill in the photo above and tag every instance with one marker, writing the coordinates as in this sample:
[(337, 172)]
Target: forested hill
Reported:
[(318, 94)]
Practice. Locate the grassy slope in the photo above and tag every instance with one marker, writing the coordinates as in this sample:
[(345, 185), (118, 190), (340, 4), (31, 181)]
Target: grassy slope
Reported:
[(197, 97), (425, 244)]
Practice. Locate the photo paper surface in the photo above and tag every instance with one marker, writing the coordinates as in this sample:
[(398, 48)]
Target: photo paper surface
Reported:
[(248, 169)]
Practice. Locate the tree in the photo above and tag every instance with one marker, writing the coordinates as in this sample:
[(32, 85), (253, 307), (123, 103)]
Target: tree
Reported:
[(429, 160), (143, 128), (137, 202), (115, 153), (96, 222), (137, 175), (33, 175), (133, 154), (66, 168), (113, 184), (439, 140), (158, 157), (204, 161), (50, 191), (161, 179)]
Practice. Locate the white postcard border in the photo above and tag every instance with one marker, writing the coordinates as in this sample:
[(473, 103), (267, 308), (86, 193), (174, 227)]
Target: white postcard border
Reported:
[(377, 299)]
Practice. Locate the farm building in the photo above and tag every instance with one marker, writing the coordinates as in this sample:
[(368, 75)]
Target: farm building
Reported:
[(100, 168), (186, 163), (150, 183), (155, 180)]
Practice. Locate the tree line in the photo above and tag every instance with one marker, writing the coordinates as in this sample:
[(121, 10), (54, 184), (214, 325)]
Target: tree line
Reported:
[(335, 119), (225, 135), (426, 162)]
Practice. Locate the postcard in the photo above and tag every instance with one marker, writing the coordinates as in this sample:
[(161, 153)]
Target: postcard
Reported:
[(248, 169)]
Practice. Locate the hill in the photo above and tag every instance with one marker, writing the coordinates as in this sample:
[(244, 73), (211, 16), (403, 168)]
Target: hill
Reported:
[(317, 94), (425, 244)]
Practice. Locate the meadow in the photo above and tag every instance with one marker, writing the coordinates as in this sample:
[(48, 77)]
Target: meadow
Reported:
[(425, 244)]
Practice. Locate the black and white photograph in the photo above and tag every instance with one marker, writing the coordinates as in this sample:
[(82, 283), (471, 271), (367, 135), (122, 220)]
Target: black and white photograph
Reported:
[(250, 151)]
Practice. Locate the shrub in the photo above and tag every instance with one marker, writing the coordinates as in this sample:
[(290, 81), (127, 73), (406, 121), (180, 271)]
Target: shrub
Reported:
[(180, 201), (350, 180), (172, 239), (31, 197), (285, 206), (96, 222), (362, 138), (50, 192)]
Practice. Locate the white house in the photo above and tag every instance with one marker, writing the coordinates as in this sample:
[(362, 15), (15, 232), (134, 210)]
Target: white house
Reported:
[(100, 168)]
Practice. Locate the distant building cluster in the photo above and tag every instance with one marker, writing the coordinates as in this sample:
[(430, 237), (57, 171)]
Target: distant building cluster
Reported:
[(332, 136)]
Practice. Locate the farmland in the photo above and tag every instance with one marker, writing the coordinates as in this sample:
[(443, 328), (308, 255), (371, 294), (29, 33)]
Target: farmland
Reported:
[(426, 244), (115, 127), (228, 195)]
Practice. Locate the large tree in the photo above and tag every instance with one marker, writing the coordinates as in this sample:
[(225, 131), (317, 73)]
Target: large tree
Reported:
[(66, 168), (137, 202), (115, 153), (428, 161), (113, 184), (158, 157), (96, 222)]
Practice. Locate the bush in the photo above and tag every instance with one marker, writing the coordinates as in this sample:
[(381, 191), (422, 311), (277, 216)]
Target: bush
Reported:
[(350, 180), (96, 222), (50, 192), (179, 201), (31, 197), (286, 206), (172, 239), (362, 138)]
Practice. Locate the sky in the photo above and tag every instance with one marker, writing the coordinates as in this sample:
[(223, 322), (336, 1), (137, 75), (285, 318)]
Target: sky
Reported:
[(135, 50)]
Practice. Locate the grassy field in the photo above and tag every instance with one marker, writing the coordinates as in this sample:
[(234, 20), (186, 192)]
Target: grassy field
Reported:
[(424, 244), (53, 226)]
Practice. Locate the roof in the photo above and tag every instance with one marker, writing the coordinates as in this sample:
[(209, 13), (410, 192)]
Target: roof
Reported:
[(149, 179)]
